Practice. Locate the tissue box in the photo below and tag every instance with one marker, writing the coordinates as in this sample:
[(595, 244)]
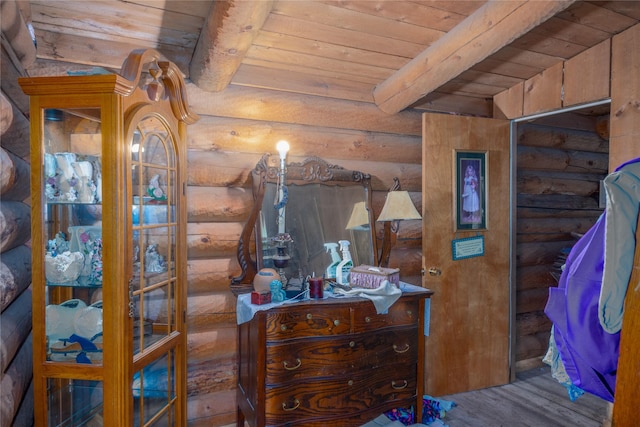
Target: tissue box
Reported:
[(370, 277)]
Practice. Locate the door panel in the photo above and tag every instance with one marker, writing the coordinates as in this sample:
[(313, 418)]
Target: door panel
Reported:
[(468, 344)]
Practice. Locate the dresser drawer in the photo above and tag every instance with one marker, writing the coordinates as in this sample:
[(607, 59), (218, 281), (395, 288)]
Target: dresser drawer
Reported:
[(402, 312), (328, 356), (308, 321), (307, 401)]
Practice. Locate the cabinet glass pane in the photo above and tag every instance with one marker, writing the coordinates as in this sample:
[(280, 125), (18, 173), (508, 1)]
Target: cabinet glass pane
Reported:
[(72, 218), (154, 392), (74, 402), (154, 228)]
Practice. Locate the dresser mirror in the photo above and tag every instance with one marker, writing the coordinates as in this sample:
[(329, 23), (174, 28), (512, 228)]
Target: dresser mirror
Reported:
[(323, 203)]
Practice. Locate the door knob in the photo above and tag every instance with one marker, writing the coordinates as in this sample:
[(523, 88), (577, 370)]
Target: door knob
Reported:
[(434, 271)]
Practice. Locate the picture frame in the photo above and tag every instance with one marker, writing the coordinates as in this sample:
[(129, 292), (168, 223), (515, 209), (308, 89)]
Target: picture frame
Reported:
[(470, 190)]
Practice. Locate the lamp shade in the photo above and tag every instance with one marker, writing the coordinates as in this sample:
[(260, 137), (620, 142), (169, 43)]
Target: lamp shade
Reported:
[(359, 219), (398, 206)]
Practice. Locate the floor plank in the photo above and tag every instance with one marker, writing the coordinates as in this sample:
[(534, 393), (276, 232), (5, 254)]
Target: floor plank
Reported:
[(535, 399)]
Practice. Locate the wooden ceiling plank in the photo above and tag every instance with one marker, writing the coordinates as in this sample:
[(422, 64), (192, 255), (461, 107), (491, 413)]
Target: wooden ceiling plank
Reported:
[(341, 37), (301, 68), (313, 62), (225, 39), (344, 18), (461, 7), (623, 7), (490, 79), (537, 60), (151, 40), (510, 69), (269, 39), (99, 53), (538, 41), (407, 12), (305, 83), (198, 8), (601, 18), (110, 18), (491, 27), (572, 32)]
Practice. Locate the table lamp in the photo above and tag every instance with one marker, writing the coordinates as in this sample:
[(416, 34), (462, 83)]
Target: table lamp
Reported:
[(397, 207)]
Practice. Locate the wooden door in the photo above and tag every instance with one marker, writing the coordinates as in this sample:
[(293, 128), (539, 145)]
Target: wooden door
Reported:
[(468, 343)]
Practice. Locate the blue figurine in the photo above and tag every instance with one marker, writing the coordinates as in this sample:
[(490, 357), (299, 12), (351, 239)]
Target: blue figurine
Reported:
[(277, 294)]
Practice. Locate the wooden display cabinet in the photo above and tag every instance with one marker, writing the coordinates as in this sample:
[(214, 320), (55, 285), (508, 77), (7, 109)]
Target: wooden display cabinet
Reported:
[(108, 245)]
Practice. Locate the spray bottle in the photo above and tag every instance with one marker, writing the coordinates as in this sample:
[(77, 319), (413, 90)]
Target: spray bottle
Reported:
[(345, 266), (332, 248)]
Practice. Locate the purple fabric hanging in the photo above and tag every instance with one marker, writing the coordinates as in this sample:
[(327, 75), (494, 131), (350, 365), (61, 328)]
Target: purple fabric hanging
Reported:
[(588, 352)]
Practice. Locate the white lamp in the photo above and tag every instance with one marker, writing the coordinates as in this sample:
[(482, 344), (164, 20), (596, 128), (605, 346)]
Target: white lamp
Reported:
[(283, 148), (397, 207)]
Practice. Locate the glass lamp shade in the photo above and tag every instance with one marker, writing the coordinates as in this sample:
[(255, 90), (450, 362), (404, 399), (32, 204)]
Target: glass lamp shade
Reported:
[(398, 206)]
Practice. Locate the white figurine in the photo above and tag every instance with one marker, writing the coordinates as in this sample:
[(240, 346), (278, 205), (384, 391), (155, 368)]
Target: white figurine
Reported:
[(153, 261)]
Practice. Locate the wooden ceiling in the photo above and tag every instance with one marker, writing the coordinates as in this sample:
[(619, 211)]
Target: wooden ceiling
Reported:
[(426, 54)]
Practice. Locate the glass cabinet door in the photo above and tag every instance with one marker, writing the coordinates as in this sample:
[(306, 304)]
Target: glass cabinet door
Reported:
[(72, 218), (154, 282)]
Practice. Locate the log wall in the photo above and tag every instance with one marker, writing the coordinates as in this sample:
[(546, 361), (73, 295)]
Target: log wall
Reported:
[(16, 394), (560, 163)]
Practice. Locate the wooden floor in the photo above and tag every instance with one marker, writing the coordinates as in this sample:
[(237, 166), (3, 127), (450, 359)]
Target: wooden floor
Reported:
[(534, 400)]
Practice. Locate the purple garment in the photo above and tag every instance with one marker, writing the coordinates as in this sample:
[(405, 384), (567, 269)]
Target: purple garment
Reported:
[(588, 352)]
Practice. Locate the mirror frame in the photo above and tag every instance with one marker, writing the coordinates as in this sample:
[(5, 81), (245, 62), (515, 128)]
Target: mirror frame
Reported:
[(312, 170)]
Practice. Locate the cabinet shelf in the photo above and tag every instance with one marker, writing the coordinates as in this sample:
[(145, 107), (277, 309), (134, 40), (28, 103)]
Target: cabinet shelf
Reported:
[(62, 202), (80, 282)]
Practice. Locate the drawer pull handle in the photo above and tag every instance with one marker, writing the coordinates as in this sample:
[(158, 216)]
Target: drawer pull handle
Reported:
[(292, 368), (399, 387), (336, 322), (352, 344), (293, 408), (309, 316), (409, 313), (283, 327), (367, 319), (402, 350), (350, 382)]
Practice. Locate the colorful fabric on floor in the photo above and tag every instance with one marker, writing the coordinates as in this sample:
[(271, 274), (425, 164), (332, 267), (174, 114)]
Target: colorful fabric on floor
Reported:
[(434, 409), (405, 416)]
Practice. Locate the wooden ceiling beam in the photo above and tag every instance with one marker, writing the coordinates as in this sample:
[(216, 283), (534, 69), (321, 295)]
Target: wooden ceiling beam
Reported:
[(491, 27), (224, 41)]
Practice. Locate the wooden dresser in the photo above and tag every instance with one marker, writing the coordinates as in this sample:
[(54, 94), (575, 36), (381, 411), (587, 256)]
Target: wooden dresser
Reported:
[(331, 362)]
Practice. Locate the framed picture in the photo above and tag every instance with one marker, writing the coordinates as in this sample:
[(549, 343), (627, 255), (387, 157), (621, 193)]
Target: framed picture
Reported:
[(471, 189)]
